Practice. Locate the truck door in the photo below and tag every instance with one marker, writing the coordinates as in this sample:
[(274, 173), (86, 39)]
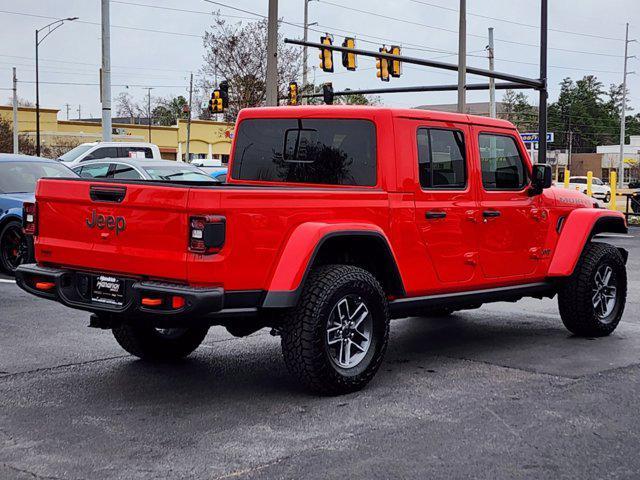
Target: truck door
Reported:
[(513, 227), (445, 204)]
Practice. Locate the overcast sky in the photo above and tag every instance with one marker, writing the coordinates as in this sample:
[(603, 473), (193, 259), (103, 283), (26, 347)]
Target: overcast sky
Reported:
[(163, 60)]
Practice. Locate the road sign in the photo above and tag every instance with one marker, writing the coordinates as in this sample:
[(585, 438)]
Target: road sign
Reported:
[(534, 138)]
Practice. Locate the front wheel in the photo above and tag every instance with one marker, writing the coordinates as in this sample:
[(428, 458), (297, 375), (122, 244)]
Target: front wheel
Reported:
[(592, 300), (334, 340), (159, 344), (607, 198)]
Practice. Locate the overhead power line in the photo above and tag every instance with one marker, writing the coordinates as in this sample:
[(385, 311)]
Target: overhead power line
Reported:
[(449, 30), (513, 22)]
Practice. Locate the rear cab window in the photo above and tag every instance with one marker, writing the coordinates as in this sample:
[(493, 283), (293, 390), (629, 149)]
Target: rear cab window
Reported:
[(313, 151)]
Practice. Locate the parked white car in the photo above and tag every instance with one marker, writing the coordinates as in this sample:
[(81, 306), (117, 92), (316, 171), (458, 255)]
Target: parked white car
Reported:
[(598, 189), (100, 150)]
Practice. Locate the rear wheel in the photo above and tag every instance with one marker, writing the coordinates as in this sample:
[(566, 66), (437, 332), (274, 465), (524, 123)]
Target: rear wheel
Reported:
[(14, 247), (334, 340), (159, 344), (592, 300)]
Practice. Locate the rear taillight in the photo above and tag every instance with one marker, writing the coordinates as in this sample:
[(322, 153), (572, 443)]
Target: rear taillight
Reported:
[(30, 218), (206, 233)]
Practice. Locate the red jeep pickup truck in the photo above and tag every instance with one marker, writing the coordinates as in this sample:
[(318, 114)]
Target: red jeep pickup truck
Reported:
[(334, 220)]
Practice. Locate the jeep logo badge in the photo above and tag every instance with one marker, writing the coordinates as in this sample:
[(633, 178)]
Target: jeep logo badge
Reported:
[(110, 222)]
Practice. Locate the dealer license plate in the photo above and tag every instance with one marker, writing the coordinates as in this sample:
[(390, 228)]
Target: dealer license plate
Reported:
[(106, 289)]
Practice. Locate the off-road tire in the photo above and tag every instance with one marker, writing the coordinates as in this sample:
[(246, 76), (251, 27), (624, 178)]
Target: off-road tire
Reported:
[(303, 331), (575, 296), (27, 252), (147, 343)]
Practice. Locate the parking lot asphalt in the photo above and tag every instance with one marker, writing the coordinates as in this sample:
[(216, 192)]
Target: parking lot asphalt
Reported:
[(500, 392)]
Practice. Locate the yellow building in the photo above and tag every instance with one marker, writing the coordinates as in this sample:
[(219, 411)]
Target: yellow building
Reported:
[(208, 139)]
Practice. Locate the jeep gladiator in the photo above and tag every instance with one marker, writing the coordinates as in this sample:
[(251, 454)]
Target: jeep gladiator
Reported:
[(333, 221)]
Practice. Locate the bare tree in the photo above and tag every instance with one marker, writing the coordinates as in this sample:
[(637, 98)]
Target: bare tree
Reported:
[(126, 106), (235, 53)]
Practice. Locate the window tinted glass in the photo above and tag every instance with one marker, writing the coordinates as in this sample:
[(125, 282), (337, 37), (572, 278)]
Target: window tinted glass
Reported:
[(597, 181), (323, 151), (124, 172), (71, 155), (21, 177), (578, 180), (103, 152), (98, 170), (441, 159), (502, 166)]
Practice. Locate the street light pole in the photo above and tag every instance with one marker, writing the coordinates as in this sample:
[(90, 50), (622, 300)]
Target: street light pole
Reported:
[(51, 28)]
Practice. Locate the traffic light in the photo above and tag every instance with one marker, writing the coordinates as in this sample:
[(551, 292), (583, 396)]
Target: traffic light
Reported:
[(396, 65), (216, 104), (293, 93), (224, 93), (382, 65), (349, 59), (327, 93), (326, 55)]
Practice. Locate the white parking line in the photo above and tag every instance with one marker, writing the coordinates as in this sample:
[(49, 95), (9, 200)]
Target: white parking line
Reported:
[(6, 280)]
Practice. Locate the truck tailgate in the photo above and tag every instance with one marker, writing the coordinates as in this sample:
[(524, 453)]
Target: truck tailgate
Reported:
[(133, 228)]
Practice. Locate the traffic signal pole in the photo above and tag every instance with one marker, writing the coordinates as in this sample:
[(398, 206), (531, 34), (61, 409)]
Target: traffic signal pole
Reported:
[(529, 82), (542, 106), (421, 88)]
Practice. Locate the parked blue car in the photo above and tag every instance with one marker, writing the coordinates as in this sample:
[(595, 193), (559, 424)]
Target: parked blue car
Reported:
[(18, 177), (219, 174)]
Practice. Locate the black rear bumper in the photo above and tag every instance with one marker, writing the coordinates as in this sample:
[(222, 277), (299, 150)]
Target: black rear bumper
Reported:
[(200, 304)]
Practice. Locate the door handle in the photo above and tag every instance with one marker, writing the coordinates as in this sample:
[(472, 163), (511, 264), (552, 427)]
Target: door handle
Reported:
[(491, 213), (433, 215)]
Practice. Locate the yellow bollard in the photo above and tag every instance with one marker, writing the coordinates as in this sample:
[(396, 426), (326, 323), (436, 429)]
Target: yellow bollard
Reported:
[(613, 183), (589, 183), (567, 174)]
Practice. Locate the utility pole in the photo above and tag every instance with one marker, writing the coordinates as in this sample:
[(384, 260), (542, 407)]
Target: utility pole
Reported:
[(462, 57), (67, 106), (542, 105), (149, 110), (105, 94), (623, 112), (189, 118), (37, 100), (570, 150), (79, 112), (305, 67), (15, 111), (492, 81), (272, 54)]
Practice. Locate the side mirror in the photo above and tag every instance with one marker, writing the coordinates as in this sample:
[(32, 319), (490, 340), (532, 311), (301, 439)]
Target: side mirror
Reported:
[(541, 177)]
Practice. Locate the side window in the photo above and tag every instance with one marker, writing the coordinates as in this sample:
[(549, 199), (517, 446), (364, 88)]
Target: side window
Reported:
[(103, 152), (501, 163), (124, 172), (136, 152), (97, 170), (441, 159)]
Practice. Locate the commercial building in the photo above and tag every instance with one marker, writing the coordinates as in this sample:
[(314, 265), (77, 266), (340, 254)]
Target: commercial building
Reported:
[(208, 139)]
